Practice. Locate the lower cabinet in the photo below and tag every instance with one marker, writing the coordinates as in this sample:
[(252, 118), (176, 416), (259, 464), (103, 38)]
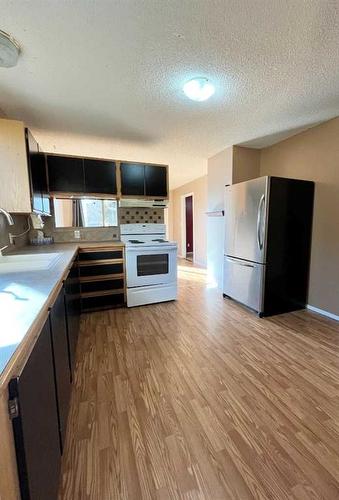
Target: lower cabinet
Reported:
[(39, 403), (61, 362), (34, 413), (72, 304), (102, 278)]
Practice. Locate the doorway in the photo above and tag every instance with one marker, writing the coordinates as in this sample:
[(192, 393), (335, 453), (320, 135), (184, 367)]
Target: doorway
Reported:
[(187, 239)]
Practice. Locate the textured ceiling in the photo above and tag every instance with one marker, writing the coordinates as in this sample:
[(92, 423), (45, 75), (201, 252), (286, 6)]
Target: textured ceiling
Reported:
[(113, 70)]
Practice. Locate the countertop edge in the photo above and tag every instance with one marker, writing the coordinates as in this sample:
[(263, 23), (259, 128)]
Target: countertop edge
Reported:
[(25, 347), (32, 334)]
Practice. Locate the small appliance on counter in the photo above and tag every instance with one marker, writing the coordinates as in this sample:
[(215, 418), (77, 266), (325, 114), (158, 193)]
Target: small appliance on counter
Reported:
[(151, 264), (37, 235), (268, 230)]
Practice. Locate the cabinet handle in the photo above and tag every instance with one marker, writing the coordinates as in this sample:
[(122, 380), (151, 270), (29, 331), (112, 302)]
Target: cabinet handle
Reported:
[(234, 261)]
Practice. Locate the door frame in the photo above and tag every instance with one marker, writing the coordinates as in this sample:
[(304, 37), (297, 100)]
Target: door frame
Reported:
[(183, 225)]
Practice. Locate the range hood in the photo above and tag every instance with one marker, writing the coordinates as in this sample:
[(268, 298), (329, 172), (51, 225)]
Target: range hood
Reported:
[(135, 203)]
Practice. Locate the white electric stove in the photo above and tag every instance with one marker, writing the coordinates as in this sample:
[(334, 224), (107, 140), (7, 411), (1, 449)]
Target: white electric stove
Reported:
[(151, 264)]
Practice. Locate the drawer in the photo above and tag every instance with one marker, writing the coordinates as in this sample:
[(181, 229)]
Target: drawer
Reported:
[(98, 270), (102, 302), (100, 255), (243, 281), (96, 286)]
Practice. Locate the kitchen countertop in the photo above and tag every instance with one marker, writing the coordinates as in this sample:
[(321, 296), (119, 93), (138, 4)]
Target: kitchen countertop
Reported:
[(26, 296)]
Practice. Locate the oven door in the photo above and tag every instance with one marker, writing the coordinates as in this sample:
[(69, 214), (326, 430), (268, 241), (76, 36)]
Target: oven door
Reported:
[(151, 265)]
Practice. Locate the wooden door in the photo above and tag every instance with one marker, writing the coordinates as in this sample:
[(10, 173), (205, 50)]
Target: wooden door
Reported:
[(189, 224)]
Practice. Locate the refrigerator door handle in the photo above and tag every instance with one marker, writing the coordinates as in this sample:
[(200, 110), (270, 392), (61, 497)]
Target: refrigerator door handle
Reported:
[(235, 261), (261, 203)]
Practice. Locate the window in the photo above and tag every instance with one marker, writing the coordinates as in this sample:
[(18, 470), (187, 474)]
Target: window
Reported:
[(99, 213), (85, 212)]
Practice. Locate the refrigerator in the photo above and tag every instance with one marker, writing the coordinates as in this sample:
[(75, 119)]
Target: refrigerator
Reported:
[(268, 230)]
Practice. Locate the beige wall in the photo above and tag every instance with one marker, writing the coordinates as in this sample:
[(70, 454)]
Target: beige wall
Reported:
[(314, 155), (246, 164), (175, 221)]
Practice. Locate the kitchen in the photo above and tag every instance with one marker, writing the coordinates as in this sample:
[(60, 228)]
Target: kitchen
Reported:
[(144, 354)]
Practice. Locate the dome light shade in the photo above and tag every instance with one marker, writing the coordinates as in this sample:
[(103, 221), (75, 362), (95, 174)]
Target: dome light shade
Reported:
[(199, 89), (9, 50)]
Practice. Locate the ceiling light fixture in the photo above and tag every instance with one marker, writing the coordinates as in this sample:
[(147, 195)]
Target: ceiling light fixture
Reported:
[(199, 89), (9, 50)]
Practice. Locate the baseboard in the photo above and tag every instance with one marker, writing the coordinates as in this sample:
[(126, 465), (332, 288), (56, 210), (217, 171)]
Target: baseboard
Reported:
[(321, 311)]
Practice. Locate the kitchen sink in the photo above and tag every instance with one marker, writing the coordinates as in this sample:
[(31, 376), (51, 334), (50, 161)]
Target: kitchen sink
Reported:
[(27, 262)]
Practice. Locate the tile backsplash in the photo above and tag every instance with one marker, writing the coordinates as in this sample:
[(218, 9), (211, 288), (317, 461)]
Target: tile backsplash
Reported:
[(141, 215), (126, 216), (20, 225), (86, 233)]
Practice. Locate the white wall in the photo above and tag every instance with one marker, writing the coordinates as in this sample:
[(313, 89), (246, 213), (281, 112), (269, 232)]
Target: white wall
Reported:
[(219, 169)]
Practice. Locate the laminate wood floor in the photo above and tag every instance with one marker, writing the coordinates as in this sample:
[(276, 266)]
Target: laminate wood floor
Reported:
[(200, 399)]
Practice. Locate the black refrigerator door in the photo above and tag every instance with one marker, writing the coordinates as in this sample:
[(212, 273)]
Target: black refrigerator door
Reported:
[(36, 433)]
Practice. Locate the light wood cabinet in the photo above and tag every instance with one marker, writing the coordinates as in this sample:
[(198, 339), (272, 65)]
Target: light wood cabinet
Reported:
[(15, 196)]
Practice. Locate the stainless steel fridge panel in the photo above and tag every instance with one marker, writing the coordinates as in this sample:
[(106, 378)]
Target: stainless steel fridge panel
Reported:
[(244, 281), (245, 219)]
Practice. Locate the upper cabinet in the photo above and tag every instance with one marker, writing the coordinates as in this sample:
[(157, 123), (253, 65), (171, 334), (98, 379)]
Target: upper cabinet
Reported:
[(38, 176), (32, 175), (156, 181), (23, 168), (100, 176), (72, 174), (132, 179), (140, 180), (65, 174), (15, 195)]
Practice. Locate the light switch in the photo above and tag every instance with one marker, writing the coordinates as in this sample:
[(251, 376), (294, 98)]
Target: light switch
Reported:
[(77, 234)]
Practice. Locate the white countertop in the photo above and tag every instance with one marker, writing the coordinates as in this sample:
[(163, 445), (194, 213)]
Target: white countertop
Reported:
[(23, 295)]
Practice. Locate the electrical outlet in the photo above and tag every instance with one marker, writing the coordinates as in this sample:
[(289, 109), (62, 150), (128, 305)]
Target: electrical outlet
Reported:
[(77, 234)]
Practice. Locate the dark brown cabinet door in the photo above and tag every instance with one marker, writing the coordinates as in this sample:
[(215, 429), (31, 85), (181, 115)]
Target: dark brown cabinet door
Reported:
[(36, 432), (61, 362), (72, 302), (155, 181), (132, 179), (100, 176), (65, 174), (38, 176)]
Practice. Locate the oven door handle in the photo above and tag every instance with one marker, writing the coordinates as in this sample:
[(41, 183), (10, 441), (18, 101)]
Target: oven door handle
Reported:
[(153, 250)]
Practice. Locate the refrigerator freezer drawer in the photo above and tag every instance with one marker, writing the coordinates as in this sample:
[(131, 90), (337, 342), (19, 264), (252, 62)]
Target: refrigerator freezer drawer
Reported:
[(243, 281)]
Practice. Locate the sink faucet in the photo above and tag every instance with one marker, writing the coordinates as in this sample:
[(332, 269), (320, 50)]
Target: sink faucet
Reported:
[(10, 222)]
